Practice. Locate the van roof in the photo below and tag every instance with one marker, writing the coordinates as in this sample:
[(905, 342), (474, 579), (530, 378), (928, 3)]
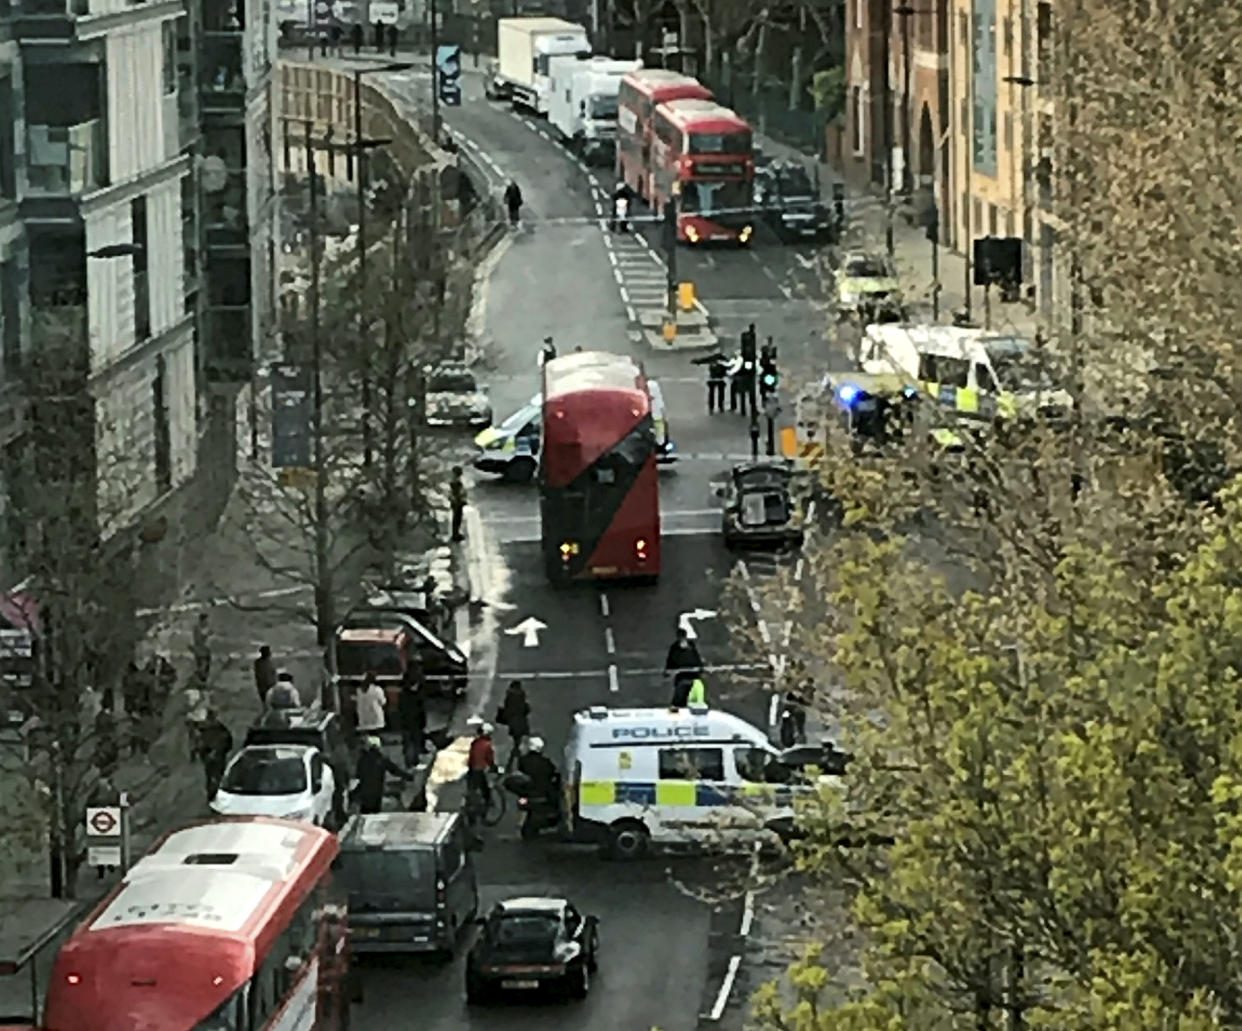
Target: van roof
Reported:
[(951, 341), (601, 727), (395, 830)]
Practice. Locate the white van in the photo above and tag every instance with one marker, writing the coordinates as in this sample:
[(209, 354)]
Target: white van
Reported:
[(978, 373), (637, 777)]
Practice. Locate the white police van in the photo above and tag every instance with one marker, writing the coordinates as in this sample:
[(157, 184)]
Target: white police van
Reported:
[(637, 777)]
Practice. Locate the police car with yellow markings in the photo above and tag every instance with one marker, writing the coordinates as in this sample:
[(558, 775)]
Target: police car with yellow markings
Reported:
[(635, 778), (979, 374)]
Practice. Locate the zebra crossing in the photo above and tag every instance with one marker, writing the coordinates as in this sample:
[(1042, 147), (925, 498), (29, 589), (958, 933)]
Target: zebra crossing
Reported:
[(640, 273)]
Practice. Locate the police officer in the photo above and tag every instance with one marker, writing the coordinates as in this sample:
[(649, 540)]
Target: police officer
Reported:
[(739, 384), (717, 373), (622, 199)]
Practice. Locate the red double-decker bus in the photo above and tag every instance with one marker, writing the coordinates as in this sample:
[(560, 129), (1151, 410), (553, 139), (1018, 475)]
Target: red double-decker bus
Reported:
[(222, 926), (599, 499), (705, 154), (641, 91)]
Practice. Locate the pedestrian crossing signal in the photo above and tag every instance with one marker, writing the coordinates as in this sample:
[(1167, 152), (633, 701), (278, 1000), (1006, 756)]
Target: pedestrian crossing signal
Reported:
[(770, 380)]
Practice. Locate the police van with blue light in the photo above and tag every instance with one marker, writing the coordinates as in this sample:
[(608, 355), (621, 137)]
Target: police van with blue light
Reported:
[(638, 778)]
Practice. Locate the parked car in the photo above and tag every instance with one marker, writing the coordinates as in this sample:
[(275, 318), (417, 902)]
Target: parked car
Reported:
[(379, 643), (760, 508), (294, 782), (455, 399), (533, 944), (865, 281)]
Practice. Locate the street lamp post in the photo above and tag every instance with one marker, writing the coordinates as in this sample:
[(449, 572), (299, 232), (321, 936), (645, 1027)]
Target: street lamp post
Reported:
[(358, 151), (967, 200), (435, 73), (888, 130)]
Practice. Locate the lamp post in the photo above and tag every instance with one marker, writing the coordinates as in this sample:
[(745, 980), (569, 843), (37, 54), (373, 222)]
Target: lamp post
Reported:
[(358, 150), (967, 201), (433, 14), (1028, 223), (888, 130)]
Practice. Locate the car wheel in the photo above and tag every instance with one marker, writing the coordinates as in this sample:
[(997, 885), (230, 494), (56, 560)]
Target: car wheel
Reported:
[(580, 981), (628, 839), (520, 470)]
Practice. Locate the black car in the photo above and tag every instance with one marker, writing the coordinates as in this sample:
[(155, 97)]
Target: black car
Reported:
[(445, 666), (789, 202), (760, 509), (530, 945)]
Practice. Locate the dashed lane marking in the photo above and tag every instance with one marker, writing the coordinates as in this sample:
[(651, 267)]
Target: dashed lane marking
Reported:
[(613, 683), (604, 609), (610, 642)]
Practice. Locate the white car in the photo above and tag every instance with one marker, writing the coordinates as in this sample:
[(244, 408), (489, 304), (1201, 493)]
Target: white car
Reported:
[(455, 399), (293, 782)]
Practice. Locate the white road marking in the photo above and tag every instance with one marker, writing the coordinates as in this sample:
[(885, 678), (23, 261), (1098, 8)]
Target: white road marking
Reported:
[(803, 260), (810, 511), (800, 568), (610, 642), (766, 634), (630, 314), (774, 709), (613, 683), (786, 291), (722, 999), (748, 914), (603, 605), (212, 603), (625, 294)]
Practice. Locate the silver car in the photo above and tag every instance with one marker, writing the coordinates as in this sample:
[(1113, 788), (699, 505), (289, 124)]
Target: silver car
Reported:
[(455, 399)]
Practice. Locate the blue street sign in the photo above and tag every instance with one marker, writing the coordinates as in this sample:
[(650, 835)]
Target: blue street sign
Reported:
[(448, 75), (292, 400)]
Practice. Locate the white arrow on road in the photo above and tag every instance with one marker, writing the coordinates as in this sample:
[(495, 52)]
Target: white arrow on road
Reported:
[(687, 620), (529, 629)]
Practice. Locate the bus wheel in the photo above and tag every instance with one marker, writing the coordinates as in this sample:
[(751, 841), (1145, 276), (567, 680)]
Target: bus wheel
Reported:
[(520, 470), (628, 839)]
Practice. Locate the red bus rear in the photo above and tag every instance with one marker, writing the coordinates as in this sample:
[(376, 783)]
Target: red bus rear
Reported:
[(704, 153), (222, 925), (599, 497), (640, 92)]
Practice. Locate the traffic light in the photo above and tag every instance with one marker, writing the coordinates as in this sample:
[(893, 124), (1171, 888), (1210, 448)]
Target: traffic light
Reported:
[(448, 75), (770, 380)]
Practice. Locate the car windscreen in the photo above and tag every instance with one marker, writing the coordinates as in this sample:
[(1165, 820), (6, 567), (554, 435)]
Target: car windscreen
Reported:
[(451, 383), (264, 774), (794, 182), (358, 658), (521, 417), (284, 736), (603, 108), (523, 929), (1018, 367), (867, 268), (384, 880)]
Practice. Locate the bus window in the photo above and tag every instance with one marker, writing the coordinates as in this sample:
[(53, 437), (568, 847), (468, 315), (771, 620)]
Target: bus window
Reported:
[(227, 1017)]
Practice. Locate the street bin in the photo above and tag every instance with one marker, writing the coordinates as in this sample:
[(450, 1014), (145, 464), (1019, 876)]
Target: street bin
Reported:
[(669, 328), (685, 296)]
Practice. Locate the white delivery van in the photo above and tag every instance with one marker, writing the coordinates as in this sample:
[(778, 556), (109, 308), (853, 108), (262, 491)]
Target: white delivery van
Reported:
[(694, 776), (524, 46), (582, 102)]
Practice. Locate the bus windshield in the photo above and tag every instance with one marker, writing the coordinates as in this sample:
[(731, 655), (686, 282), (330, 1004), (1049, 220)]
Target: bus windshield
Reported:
[(718, 143), (711, 198)]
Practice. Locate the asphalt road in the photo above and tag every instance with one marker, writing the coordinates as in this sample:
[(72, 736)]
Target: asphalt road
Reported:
[(664, 952)]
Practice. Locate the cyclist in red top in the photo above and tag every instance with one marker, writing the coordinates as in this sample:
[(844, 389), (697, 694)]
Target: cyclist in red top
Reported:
[(480, 761)]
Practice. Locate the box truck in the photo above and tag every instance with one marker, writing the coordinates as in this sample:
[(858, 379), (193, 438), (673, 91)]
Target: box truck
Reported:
[(582, 102), (524, 46)]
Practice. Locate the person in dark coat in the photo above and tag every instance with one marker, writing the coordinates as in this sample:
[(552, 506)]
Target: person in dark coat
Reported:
[(392, 40), (515, 714), (685, 665), (379, 37), (373, 765), (717, 373), (355, 37), (412, 712), (136, 690), (457, 502), (513, 201), (107, 748), (264, 673), (214, 745), (202, 649)]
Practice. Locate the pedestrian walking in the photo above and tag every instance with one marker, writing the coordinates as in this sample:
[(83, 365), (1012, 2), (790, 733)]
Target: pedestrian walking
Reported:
[(283, 694), (336, 33), (379, 37), (355, 37), (373, 764), (136, 692), (717, 373), (369, 704), (214, 745), (392, 40), (480, 761), (107, 748), (264, 673), (412, 711), (513, 201), (548, 352), (622, 199), (515, 716), (201, 648), (684, 664), (457, 502)]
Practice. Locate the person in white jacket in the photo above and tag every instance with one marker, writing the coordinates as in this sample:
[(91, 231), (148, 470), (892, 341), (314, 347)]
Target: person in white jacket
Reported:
[(369, 703)]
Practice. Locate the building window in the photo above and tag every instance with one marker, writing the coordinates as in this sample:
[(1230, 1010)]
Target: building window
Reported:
[(963, 117), (963, 28), (993, 221), (163, 439), (1007, 28), (11, 307), (859, 114), (858, 13), (1009, 130), (976, 214), (142, 287), (170, 57), (8, 141)]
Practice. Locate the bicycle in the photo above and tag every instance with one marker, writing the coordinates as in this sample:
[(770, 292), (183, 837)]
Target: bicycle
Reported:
[(490, 813)]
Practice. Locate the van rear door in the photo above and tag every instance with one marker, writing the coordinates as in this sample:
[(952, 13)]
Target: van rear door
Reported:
[(392, 898)]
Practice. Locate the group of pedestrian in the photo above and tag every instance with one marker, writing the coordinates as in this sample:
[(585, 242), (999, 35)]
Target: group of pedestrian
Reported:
[(385, 36), (738, 371)]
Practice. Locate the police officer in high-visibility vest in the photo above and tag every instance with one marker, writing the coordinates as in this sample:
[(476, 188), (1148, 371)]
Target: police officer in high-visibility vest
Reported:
[(698, 692)]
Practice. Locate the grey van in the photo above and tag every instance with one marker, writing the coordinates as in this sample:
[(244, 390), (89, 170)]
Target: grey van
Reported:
[(410, 879)]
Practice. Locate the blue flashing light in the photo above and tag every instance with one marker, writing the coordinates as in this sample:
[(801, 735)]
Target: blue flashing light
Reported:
[(909, 393), (848, 394)]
